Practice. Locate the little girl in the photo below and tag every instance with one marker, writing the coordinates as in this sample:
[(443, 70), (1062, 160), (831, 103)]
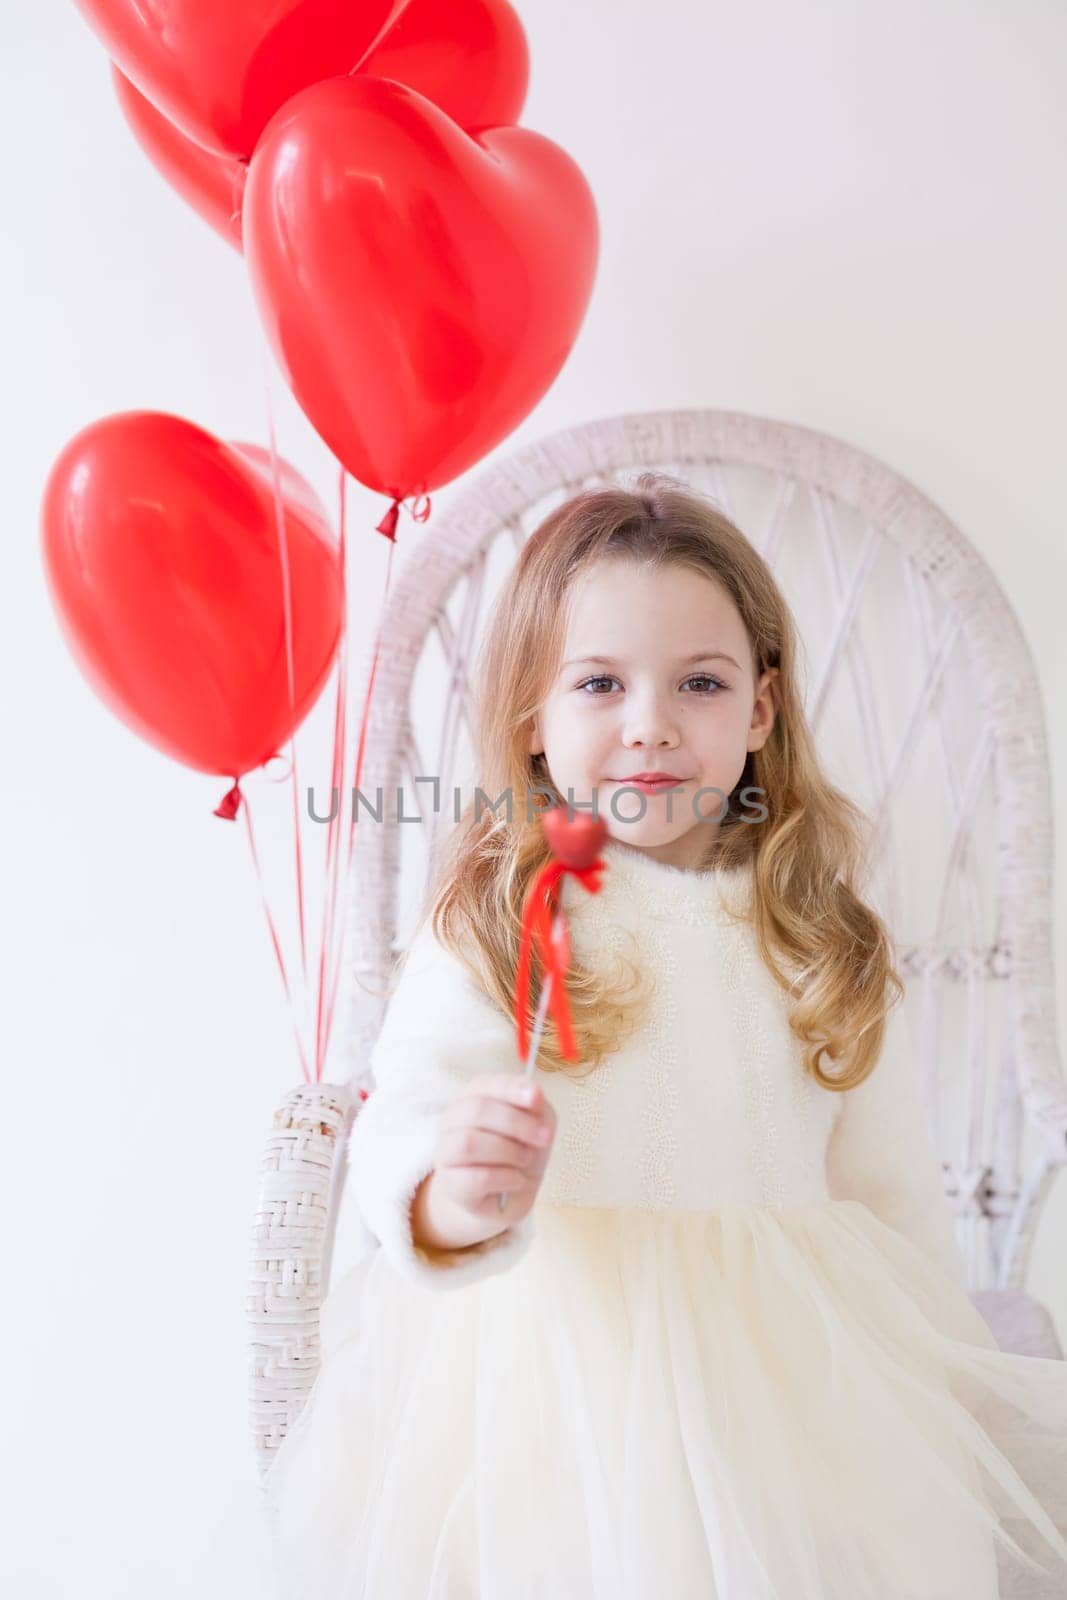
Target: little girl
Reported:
[(717, 1344)]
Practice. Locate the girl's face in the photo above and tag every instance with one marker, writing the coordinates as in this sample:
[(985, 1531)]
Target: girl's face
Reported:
[(656, 677)]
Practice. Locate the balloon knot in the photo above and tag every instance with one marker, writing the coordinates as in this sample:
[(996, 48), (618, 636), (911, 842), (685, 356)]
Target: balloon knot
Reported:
[(389, 521), (230, 803), (419, 513)]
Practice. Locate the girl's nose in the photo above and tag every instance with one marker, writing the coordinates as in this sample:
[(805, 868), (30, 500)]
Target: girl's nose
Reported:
[(649, 725)]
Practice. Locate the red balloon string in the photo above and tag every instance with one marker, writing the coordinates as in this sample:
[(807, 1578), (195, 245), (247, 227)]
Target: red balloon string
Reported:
[(336, 776), (287, 604), (331, 946), (274, 938), (539, 909), (358, 773), (230, 806), (231, 801)]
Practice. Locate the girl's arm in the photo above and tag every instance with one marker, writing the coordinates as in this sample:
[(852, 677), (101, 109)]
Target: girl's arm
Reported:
[(439, 1030), (880, 1152)]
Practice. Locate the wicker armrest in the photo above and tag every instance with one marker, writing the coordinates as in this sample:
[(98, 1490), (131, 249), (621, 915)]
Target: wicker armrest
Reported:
[(292, 1235)]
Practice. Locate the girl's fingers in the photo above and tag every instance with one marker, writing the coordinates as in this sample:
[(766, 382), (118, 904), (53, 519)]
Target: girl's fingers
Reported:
[(476, 1187), (475, 1146), (512, 1086), (485, 1109)]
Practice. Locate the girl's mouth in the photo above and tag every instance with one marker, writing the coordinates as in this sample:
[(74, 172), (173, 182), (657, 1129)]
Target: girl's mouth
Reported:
[(651, 787)]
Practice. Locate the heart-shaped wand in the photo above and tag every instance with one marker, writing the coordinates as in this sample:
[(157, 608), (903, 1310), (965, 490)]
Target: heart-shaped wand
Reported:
[(575, 842)]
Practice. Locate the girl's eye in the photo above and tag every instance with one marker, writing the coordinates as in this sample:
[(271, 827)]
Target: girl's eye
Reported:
[(706, 677), (715, 684)]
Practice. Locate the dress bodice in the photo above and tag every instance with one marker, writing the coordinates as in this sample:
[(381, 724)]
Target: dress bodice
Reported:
[(706, 1101)]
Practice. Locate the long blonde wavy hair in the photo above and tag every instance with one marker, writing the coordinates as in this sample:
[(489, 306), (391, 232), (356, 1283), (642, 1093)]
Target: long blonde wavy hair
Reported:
[(823, 944)]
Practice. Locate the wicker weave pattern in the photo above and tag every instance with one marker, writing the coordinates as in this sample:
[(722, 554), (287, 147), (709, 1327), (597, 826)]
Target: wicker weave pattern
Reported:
[(291, 1238), (926, 706)]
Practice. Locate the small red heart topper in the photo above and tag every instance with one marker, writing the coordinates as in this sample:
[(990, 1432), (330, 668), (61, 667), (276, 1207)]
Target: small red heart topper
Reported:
[(575, 840)]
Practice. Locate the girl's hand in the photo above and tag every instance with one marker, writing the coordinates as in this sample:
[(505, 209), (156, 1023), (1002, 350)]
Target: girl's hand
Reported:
[(489, 1141)]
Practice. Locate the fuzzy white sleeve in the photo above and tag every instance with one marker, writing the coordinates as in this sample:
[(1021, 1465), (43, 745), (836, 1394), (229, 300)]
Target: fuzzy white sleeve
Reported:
[(439, 1031), (880, 1152)]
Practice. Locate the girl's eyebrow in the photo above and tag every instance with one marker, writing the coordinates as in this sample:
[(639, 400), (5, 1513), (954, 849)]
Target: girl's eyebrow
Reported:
[(687, 661)]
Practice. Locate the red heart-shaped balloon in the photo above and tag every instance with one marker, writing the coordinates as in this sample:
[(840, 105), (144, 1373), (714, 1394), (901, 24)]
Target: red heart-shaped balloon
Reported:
[(212, 184), (470, 57), (421, 286), (575, 840), (161, 551), (220, 69)]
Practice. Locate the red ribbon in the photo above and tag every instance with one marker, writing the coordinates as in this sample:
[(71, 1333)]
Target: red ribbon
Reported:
[(542, 903)]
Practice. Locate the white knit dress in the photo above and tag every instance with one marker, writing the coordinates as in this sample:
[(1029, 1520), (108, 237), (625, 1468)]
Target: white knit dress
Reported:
[(729, 1355)]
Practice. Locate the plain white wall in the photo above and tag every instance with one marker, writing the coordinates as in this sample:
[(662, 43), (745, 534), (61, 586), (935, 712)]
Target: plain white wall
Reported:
[(847, 215)]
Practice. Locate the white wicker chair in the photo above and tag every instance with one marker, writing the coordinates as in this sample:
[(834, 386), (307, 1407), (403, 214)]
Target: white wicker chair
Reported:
[(926, 708)]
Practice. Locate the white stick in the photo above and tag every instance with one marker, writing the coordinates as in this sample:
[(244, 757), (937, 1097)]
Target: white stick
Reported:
[(538, 1027)]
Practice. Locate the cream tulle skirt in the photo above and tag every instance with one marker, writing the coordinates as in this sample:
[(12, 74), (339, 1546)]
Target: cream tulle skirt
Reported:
[(738, 1404)]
